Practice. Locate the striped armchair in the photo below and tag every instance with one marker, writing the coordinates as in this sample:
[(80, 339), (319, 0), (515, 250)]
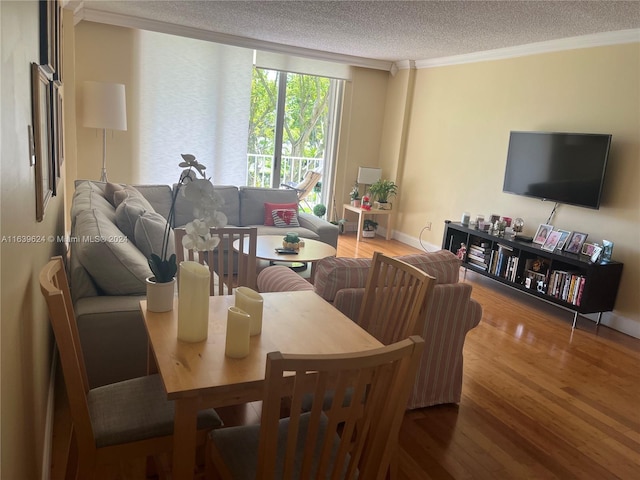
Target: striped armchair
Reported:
[(450, 314)]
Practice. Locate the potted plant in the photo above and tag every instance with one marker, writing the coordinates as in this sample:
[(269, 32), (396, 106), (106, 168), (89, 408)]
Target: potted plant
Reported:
[(369, 228), (319, 210), (355, 195), (382, 190), (199, 191)]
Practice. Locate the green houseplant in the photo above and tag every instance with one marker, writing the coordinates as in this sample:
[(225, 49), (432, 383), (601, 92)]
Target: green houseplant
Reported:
[(382, 190), (369, 228)]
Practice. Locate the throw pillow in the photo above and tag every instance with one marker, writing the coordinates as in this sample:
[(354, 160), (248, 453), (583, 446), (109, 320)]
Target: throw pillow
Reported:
[(149, 234), (270, 207), (116, 266), (128, 192), (110, 189), (285, 217), (127, 215)]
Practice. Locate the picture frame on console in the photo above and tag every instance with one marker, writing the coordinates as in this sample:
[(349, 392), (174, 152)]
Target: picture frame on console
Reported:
[(588, 248), (564, 235), (552, 240), (575, 242), (542, 233)]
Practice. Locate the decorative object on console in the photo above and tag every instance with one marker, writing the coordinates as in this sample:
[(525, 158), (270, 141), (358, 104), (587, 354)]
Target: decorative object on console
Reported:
[(607, 250), (552, 240), (368, 176), (104, 108), (366, 205), (355, 195), (542, 233), (466, 218), (564, 234), (574, 245), (383, 190), (518, 225), (193, 302)]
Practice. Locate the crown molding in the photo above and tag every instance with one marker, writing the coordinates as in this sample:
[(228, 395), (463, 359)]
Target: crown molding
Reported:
[(119, 20), (571, 43)]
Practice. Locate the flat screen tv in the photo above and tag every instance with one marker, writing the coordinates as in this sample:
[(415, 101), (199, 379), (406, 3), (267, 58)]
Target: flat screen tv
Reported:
[(559, 167)]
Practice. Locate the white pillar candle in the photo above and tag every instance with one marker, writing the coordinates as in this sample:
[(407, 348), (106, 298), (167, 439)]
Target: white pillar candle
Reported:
[(251, 302), (193, 302), (237, 342)]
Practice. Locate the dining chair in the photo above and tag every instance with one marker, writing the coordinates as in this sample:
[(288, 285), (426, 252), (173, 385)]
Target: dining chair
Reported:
[(115, 422), (229, 268), (394, 299), (306, 186), (353, 439)]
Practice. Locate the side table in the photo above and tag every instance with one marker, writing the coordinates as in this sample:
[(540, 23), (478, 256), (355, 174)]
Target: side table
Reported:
[(362, 212)]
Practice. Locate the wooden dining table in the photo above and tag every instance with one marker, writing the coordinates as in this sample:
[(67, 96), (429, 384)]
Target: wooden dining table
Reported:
[(199, 375)]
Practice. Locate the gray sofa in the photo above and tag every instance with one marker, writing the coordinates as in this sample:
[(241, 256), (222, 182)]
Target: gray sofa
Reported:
[(109, 245)]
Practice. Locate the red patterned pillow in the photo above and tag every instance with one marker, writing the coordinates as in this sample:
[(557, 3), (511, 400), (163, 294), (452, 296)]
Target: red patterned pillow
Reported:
[(270, 207), (285, 217)]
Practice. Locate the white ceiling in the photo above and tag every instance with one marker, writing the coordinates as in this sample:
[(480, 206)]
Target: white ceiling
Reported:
[(373, 32)]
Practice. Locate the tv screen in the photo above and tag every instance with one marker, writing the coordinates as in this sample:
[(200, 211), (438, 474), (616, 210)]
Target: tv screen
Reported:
[(560, 167)]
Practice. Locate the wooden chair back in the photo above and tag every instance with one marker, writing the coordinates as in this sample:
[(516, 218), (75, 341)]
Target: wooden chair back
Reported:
[(229, 268), (55, 289), (370, 391), (394, 299)]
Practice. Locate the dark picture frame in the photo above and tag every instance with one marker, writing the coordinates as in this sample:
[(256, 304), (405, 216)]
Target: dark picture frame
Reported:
[(574, 244), (41, 113), (48, 35)]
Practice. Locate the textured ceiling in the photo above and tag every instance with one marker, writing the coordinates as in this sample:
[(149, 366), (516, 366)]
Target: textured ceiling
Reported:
[(389, 30)]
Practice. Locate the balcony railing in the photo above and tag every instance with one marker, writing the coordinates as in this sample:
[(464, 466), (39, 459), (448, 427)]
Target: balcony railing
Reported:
[(292, 171)]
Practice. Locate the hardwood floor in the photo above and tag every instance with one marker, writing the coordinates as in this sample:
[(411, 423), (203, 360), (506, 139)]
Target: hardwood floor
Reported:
[(538, 401)]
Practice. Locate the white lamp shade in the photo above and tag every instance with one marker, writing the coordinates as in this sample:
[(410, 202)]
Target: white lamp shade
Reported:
[(369, 175), (104, 106)]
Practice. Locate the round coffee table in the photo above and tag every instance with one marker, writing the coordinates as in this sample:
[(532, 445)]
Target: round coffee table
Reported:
[(312, 251)]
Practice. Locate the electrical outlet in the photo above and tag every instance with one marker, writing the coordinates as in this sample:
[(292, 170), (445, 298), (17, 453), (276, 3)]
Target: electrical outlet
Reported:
[(428, 226)]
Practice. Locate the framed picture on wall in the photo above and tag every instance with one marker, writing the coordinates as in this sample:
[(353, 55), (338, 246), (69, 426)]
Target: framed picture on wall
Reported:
[(41, 113), (48, 35)]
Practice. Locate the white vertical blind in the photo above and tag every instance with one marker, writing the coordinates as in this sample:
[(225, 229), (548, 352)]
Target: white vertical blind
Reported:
[(194, 98)]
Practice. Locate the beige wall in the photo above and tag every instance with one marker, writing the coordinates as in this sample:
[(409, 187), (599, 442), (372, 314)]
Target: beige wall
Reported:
[(458, 136), (25, 336), (105, 53)]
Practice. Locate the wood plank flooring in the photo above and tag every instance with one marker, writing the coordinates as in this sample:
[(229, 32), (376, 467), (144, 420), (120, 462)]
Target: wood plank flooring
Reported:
[(539, 401)]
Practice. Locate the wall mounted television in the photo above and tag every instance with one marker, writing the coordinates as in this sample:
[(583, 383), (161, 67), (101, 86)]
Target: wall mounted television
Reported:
[(559, 167)]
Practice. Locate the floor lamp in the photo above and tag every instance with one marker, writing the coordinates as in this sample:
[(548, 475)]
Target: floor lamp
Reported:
[(104, 107)]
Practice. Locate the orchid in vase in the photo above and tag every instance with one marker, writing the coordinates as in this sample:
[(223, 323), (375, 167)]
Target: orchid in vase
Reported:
[(206, 201)]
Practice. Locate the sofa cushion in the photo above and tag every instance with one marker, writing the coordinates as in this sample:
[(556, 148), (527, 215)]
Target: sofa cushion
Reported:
[(127, 215), (334, 273), (285, 217), (269, 208), (443, 265), (252, 200), (110, 189), (149, 234), (89, 195), (129, 192), (115, 264), (159, 196)]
